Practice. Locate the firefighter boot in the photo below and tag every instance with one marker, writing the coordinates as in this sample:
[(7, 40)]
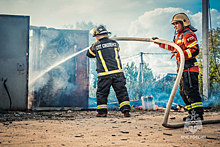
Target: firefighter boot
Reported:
[(101, 115), (127, 114), (194, 115), (187, 117), (201, 116), (198, 112)]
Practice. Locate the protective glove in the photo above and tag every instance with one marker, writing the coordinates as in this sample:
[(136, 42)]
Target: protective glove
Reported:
[(176, 54), (154, 38)]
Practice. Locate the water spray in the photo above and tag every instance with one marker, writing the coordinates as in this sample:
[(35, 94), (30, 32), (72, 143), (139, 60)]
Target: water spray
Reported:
[(179, 75), (32, 81)]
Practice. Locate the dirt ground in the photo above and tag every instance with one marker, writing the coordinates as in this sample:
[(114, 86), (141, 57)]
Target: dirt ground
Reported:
[(83, 129)]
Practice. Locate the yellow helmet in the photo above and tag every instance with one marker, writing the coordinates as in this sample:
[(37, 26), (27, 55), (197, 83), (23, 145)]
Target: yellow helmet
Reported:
[(182, 17)]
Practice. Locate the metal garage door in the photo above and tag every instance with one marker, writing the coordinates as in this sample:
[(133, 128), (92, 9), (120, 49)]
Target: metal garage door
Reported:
[(14, 43)]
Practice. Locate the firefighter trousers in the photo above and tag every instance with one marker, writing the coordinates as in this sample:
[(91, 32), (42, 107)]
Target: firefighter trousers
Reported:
[(118, 82), (190, 95)]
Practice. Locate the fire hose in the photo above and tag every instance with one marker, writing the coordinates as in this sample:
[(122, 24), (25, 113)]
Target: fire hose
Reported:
[(179, 75)]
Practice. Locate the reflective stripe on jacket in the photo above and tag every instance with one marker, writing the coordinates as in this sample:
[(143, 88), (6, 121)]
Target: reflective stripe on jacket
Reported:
[(106, 52), (187, 41)]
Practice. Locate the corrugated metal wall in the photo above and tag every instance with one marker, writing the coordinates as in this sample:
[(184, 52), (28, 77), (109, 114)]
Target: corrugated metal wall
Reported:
[(14, 44), (66, 85)]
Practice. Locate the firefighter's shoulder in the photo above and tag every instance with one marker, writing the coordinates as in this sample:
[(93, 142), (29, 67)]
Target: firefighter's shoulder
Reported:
[(96, 42), (187, 32), (114, 41)]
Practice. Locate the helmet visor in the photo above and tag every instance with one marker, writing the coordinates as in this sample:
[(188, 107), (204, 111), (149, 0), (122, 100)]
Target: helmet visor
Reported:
[(175, 21)]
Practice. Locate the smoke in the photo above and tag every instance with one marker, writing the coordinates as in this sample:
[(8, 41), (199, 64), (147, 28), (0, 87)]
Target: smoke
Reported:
[(214, 99), (60, 74), (161, 97), (70, 87), (53, 68), (40, 83)]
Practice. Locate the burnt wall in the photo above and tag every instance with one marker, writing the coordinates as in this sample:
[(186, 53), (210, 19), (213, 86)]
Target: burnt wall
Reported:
[(66, 85)]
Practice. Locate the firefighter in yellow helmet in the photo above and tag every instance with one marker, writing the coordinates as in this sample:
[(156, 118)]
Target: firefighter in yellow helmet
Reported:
[(110, 73), (186, 39)]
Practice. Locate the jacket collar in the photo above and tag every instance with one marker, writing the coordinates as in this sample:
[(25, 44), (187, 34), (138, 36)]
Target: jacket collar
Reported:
[(103, 38), (183, 30)]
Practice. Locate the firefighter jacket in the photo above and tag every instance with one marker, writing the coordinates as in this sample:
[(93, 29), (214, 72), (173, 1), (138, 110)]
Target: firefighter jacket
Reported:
[(106, 52), (187, 41)]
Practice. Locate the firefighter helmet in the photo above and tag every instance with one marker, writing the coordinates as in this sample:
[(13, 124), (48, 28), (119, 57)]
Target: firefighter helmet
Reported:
[(99, 31), (183, 18)]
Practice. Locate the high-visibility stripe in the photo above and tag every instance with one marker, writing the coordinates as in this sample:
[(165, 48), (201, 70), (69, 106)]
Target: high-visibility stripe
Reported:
[(103, 61), (188, 107), (91, 52), (116, 58), (196, 105), (189, 53), (179, 41), (104, 106), (110, 72), (166, 46), (192, 44), (124, 103)]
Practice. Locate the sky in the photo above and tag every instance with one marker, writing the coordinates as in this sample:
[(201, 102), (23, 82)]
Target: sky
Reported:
[(139, 18)]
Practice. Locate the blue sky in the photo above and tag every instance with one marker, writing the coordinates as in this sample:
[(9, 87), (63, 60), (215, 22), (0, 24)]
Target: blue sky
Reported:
[(139, 18)]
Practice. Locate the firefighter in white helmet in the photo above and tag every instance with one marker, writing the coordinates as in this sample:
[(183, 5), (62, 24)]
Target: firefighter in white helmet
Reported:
[(110, 73), (186, 39)]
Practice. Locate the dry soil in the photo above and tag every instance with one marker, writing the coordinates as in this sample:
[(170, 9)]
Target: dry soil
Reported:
[(83, 129)]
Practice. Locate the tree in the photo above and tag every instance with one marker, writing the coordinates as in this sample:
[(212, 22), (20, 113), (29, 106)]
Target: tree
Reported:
[(214, 62), (131, 72), (136, 88)]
